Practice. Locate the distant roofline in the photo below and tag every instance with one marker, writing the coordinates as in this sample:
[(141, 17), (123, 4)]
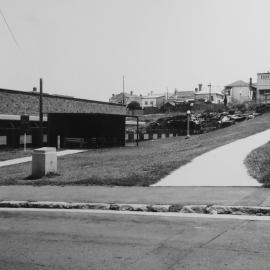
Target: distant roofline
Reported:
[(262, 73), (207, 93), (182, 91), (238, 83), (153, 96), (56, 96)]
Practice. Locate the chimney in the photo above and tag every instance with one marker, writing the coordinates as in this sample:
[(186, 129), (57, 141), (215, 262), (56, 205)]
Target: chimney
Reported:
[(250, 81), (196, 90), (200, 87), (175, 91), (131, 93), (34, 89)]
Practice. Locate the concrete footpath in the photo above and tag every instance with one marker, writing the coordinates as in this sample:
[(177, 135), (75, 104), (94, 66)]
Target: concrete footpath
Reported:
[(196, 200), (246, 196), (223, 166)]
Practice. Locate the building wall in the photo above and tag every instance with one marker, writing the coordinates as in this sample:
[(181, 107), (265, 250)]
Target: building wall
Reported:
[(153, 101), (205, 96), (149, 102), (118, 98), (240, 94), (263, 80), (160, 101), (263, 87), (18, 102), (107, 129), (218, 99)]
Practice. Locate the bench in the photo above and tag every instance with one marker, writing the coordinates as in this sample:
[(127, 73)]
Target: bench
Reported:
[(77, 141), (93, 143)]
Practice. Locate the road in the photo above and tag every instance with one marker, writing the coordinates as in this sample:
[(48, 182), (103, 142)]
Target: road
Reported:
[(74, 240)]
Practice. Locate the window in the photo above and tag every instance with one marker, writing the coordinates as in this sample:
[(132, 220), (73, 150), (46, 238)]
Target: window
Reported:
[(152, 103), (264, 77), (146, 103)]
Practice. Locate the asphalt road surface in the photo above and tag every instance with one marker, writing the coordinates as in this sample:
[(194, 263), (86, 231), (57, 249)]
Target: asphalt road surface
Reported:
[(65, 240)]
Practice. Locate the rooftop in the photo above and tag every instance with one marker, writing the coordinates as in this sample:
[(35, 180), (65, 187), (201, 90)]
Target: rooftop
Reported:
[(33, 93), (238, 83)]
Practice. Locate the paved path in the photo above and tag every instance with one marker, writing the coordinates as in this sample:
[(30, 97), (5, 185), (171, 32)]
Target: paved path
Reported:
[(27, 159), (249, 196), (222, 166)]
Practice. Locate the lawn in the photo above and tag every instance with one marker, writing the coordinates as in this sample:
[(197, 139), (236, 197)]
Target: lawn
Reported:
[(6, 154), (134, 166), (258, 164)]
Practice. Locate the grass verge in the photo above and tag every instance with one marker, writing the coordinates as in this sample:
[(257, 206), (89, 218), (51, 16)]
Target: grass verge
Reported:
[(258, 164), (134, 166), (6, 154)]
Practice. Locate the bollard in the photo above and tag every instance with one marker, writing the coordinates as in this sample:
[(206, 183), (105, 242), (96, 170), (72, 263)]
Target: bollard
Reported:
[(44, 161), (58, 142)]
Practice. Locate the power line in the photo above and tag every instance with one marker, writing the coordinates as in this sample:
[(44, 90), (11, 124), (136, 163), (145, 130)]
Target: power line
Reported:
[(9, 29)]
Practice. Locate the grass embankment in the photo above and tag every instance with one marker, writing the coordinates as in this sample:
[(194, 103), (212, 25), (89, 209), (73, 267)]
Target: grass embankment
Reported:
[(134, 166), (258, 164)]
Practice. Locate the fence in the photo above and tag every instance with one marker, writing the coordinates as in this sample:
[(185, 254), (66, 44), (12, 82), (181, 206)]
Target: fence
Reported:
[(152, 135)]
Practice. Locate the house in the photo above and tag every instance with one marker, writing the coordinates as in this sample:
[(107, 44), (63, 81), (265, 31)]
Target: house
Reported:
[(152, 100), (125, 98), (263, 87), (216, 97), (239, 91), (182, 96)]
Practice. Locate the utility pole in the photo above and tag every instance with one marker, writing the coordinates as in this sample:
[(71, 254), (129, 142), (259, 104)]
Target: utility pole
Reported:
[(41, 110), (123, 101)]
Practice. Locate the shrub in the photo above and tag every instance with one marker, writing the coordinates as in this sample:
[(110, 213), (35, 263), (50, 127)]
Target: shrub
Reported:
[(258, 164), (263, 108), (134, 105)]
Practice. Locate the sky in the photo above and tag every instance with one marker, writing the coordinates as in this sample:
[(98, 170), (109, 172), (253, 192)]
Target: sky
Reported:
[(83, 48)]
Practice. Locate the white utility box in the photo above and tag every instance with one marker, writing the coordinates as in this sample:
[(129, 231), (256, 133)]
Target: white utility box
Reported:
[(44, 161)]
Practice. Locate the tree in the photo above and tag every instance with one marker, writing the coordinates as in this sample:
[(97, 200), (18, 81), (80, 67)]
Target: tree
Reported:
[(134, 105)]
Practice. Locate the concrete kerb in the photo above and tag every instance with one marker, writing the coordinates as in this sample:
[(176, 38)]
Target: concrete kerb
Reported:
[(175, 208)]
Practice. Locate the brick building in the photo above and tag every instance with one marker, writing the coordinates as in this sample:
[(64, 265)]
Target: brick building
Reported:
[(15, 103)]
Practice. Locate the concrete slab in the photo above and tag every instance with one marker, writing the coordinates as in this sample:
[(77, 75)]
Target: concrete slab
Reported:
[(147, 195)]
